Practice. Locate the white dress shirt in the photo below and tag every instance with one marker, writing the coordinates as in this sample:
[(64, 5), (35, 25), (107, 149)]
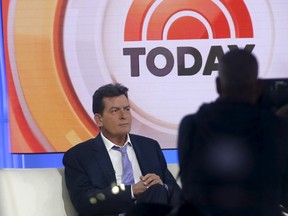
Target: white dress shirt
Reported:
[(116, 159)]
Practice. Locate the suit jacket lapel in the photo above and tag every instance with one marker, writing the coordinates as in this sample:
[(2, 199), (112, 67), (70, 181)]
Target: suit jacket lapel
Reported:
[(141, 159), (104, 160)]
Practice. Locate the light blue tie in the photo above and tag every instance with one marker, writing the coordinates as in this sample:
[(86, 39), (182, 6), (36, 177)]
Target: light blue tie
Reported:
[(127, 174)]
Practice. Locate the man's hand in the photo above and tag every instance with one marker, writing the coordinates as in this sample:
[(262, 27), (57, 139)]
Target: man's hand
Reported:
[(145, 182), (151, 179)]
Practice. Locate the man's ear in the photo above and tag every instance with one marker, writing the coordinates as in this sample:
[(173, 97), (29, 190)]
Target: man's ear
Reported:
[(218, 86), (98, 120)]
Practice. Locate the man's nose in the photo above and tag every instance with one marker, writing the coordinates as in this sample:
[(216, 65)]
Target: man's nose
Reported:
[(123, 113)]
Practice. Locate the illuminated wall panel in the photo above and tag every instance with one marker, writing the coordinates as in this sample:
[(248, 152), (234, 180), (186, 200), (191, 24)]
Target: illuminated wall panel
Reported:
[(57, 53)]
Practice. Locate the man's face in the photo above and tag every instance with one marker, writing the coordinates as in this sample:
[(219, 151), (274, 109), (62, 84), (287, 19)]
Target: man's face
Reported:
[(116, 118)]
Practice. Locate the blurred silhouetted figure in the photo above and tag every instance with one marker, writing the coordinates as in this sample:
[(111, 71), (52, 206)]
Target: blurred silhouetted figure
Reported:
[(232, 153)]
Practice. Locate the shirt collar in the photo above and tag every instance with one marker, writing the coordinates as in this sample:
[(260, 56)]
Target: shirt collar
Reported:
[(108, 144)]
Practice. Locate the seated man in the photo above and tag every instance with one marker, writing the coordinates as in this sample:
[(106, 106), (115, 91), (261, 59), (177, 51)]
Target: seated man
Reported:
[(97, 172), (232, 153)]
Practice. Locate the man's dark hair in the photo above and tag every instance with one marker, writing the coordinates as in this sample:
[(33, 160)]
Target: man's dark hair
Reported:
[(109, 90), (238, 71)]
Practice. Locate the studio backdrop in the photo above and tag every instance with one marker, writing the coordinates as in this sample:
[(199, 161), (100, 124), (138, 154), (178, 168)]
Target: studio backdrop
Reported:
[(57, 53)]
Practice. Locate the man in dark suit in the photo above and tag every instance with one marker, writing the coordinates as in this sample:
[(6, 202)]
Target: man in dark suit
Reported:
[(94, 170), (233, 153)]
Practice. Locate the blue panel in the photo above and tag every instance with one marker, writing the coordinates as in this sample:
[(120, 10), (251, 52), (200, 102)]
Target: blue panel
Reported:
[(3, 106), (171, 156), (42, 160), (7, 160), (55, 160)]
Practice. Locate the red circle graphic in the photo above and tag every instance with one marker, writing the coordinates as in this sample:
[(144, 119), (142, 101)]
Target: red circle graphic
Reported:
[(206, 8)]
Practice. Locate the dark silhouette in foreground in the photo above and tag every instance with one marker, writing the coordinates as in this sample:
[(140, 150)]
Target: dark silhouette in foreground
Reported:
[(232, 153)]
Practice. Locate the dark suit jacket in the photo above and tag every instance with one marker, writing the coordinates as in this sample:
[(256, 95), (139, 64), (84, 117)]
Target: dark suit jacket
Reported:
[(90, 176)]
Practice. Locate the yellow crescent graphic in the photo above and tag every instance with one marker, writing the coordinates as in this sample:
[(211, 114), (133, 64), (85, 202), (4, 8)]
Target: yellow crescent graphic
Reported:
[(42, 75)]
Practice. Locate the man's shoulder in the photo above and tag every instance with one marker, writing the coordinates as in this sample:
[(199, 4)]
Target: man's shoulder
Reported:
[(144, 141), (82, 146), (198, 114), (190, 117), (188, 121), (141, 137)]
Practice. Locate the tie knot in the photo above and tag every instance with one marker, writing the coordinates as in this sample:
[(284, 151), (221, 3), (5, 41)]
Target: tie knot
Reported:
[(123, 149)]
